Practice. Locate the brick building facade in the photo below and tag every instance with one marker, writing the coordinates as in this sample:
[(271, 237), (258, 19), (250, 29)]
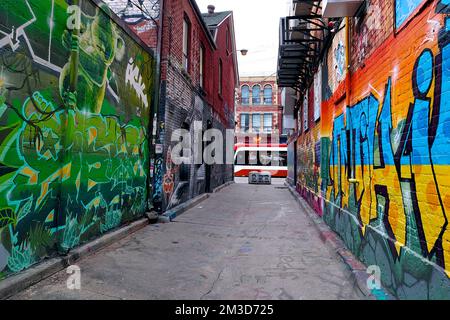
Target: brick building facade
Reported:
[(370, 153), (258, 110), (199, 76)]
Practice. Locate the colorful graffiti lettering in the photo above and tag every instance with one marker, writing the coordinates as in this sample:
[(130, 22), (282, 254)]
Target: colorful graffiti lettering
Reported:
[(73, 162), (390, 175), (384, 178)]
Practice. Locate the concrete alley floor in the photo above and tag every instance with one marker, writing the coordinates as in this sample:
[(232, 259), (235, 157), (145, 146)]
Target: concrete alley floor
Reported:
[(245, 242)]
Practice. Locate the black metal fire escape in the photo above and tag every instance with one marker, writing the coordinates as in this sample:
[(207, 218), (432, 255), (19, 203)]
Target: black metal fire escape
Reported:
[(304, 39)]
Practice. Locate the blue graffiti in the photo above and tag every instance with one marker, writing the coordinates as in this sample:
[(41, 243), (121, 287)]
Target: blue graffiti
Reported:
[(385, 129), (158, 180), (364, 138), (362, 122), (404, 9), (440, 150), (338, 153)]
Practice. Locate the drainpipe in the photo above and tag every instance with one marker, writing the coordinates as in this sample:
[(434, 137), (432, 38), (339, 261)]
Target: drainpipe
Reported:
[(159, 45), (154, 116), (348, 83), (347, 59)]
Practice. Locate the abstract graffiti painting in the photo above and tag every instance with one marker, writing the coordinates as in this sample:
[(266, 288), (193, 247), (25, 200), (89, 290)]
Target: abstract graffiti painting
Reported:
[(384, 156), (74, 119), (404, 9)]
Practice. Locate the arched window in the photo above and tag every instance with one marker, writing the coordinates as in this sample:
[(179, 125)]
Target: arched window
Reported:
[(256, 94), (268, 94), (245, 95)]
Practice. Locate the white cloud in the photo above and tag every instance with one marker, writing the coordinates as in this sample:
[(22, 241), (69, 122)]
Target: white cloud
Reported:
[(257, 24)]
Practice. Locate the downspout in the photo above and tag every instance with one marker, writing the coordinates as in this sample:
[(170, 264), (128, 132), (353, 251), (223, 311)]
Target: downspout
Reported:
[(154, 116), (347, 60), (348, 82)]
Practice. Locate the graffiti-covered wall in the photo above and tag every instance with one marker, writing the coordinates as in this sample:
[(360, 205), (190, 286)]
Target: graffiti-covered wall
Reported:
[(75, 100), (384, 135)]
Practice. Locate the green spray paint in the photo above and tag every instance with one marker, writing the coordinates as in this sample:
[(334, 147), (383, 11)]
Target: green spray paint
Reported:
[(74, 116)]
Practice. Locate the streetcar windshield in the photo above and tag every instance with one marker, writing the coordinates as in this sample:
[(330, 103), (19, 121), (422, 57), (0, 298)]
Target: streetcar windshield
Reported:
[(261, 158)]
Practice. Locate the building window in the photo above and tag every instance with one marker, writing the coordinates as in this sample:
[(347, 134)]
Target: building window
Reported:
[(256, 122), (245, 95), (245, 122), (268, 94), (256, 95), (220, 77), (267, 123), (186, 43), (228, 41), (202, 65), (317, 93)]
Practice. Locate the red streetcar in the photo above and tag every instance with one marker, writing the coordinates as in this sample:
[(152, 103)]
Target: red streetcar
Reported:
[(260, 158)]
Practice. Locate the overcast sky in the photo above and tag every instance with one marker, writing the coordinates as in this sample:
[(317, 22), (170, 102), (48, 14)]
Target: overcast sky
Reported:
[(256, 23)]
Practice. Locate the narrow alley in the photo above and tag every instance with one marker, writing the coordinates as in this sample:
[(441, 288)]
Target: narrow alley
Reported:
[(244, 242)]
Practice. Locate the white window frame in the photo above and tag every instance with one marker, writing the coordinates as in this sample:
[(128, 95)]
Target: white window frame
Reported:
[(186, 36), (243, 127), (271, 95), (258, 98), (317, 93), (248, 95), (256, 116), (271, 123)]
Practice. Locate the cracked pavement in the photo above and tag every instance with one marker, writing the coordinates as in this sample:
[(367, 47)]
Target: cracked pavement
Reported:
[(245, 242)]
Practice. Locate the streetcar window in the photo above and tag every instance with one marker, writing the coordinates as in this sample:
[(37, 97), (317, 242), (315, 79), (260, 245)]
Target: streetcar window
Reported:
[(262, 158), (241, 158), (252, 158)]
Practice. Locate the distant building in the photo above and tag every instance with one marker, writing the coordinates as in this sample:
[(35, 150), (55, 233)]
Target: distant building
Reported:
[(258, 110)]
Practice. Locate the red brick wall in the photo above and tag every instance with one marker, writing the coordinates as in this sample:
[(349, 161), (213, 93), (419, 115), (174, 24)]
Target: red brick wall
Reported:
[(370, 31), (172, 50), (175, 11), (224, 103)]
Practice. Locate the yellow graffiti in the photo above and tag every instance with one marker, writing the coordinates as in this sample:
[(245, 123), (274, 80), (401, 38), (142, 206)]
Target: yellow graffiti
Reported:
[(32, 174), (63, 174), (91, 184), (92, 135)]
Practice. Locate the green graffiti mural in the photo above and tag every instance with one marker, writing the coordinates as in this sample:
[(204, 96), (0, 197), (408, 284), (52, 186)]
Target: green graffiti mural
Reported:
[(74, 117)]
